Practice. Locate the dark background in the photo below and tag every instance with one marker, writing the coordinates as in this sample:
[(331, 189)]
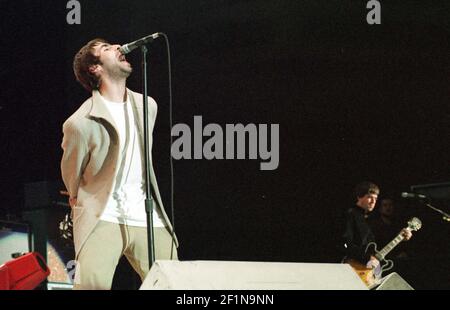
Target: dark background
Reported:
[(354, 102)]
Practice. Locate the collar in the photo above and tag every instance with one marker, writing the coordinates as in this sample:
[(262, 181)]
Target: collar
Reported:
[(100, 110), (361, 211)]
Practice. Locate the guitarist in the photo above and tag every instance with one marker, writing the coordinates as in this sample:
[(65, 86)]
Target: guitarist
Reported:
[(358, 234)]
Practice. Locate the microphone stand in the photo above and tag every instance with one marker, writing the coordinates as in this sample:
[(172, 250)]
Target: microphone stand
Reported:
[(147, 164), (445, 216)]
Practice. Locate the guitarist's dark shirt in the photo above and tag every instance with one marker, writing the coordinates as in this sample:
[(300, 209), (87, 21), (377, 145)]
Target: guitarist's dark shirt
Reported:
[(357, 235)]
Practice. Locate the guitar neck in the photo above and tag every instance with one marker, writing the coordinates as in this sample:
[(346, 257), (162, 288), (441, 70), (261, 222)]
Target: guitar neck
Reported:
[(389, 247)]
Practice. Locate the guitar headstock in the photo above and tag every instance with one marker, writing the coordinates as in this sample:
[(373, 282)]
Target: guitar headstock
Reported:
[(414, 224)]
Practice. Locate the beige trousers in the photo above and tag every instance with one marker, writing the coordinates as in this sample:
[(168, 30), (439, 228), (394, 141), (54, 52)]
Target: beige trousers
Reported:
[(98, 258)]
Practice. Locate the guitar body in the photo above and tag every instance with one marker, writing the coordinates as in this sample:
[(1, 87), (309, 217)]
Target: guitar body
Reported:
[(367, 275)]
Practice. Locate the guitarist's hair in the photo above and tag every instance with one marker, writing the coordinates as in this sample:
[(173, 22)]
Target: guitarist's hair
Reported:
[(365, 188)]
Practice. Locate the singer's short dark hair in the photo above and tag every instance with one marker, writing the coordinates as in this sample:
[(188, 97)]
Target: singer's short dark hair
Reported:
[(365, 188), (83, 60)]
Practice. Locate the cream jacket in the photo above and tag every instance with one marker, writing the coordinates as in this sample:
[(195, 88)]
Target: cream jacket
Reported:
[(91, 160)]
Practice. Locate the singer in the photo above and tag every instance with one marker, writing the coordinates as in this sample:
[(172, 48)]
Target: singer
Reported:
[(102, 169)]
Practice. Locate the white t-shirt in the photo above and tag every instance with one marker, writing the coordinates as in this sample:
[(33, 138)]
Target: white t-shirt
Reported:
[(126, 205)]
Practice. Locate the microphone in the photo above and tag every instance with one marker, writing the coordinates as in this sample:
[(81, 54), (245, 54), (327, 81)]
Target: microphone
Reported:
[(413, 195), (127, 48)]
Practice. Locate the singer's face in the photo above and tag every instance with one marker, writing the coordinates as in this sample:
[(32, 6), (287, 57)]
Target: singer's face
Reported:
[(367, 202), (113, 63)]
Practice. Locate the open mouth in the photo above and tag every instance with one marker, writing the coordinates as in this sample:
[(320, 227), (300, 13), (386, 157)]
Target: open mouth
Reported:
[(122, 58)]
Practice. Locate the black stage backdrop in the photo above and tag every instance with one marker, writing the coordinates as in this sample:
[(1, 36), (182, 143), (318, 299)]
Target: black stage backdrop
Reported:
[(353, 101)]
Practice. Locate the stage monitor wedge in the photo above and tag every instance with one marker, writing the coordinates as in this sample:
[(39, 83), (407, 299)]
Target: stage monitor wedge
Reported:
[(227, 275)]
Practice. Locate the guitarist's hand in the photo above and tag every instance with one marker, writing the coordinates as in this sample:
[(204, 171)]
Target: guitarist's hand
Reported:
[(373, 263), (407, 234)]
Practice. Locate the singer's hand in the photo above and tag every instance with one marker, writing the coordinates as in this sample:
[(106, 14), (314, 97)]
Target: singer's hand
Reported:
[(407, 234), (72, 202)]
